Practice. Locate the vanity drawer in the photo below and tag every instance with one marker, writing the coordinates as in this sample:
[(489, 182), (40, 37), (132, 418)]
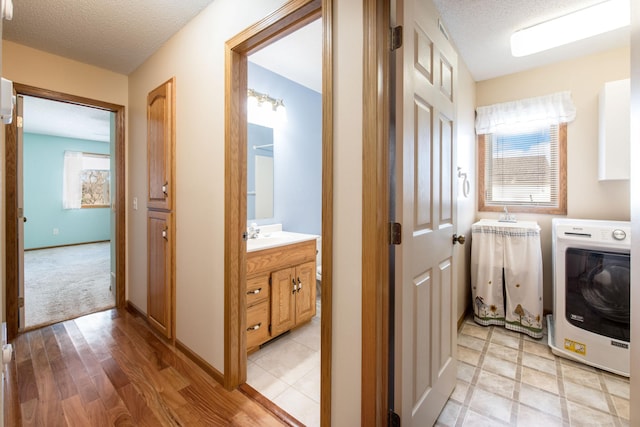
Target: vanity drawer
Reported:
[(257, 324), (257, 289)]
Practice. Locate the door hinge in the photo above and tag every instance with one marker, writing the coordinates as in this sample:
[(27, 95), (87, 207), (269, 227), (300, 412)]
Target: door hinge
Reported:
[(19, 121), (20, 302), (394, 419), (396, 37), (395, 233)]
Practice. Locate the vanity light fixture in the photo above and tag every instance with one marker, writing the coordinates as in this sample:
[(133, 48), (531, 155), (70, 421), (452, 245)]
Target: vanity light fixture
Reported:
[(265, 110), (597, 19)]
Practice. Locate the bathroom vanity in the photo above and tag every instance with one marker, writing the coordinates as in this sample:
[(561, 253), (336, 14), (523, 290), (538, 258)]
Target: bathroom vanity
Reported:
[(281, 288)]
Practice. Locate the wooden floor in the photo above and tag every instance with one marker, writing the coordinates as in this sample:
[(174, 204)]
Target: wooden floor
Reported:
[(109, 369)]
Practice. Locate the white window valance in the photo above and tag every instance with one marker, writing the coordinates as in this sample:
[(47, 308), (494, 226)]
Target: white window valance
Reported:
[(549, 109)]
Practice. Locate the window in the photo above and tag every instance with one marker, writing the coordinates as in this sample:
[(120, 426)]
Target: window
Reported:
[(86, 180), (95, 180), (522, 154), (524, 169)]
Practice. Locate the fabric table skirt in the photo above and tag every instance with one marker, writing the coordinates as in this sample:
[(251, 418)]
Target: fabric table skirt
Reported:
[(506, 275)]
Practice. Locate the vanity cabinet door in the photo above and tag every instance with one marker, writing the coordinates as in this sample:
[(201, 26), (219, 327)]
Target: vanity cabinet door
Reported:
[(305, 292), (283, 300)]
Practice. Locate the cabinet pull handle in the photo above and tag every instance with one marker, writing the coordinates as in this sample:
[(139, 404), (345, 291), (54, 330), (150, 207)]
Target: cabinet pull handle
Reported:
[(299, 285), (254, 292), (165, 188), (254, 327), (294, 285), (165, 234)]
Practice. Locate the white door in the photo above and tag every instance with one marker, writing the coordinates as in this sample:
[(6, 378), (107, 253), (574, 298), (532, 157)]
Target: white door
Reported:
[(425, 307)]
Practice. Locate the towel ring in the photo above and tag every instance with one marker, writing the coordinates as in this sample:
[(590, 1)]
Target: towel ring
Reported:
[(466, 185)]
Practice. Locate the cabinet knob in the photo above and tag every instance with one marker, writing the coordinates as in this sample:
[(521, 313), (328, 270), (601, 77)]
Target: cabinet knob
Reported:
[(165, 188), (254, 327), (294, 285), (165, 234), (299, 285), (254, 291)]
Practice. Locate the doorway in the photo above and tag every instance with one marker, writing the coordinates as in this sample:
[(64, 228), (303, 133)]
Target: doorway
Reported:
[(16, 217), (286, 20), (65, 157), (287, 75)]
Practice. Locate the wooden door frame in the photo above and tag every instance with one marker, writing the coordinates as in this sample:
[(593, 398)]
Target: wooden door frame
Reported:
[(11, 199), (293, 15), (375, 213)]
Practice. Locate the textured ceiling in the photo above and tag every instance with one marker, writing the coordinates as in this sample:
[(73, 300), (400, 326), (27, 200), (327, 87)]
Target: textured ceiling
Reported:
[(481, 30), (118, 35)]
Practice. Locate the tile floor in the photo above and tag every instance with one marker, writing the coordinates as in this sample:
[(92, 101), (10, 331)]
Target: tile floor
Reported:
[(508, 379), (287, 371)]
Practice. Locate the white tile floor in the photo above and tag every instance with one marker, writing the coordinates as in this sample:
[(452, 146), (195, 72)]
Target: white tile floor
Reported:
[(508, 379), (287, 371)]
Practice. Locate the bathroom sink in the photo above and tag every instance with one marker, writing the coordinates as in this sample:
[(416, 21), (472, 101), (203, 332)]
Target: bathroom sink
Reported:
[(277, 238)]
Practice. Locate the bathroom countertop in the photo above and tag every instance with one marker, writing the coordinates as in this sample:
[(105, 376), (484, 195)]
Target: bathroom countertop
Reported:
[(276, 239)]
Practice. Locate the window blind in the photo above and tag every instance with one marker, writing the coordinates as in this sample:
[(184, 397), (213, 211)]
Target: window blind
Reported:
[(521, 167)]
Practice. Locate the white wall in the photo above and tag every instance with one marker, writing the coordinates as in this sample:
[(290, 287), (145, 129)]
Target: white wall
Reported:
[(467, 161), (586, 196), (347, 249)]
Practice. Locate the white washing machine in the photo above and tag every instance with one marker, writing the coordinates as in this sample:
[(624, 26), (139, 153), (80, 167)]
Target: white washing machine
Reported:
[(591, 290)]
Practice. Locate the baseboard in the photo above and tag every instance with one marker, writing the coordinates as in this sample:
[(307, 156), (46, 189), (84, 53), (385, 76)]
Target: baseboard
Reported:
[(466, 312), (203, 364), (133, 309), (277, 411), (67, 245)]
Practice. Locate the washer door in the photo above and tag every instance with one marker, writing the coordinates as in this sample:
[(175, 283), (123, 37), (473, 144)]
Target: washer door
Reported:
[(598, 287)]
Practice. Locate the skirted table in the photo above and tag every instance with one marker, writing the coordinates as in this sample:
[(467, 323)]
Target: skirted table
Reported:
[(506, 264)]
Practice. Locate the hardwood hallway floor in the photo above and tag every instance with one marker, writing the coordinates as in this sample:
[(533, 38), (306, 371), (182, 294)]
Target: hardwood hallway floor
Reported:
[(109, 369)]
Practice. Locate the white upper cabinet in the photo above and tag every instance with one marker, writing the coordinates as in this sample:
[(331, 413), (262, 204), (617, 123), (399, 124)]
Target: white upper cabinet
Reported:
[(613, 155)]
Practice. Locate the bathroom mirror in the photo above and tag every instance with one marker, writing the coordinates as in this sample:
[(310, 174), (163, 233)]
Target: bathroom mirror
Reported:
[(259, 172)]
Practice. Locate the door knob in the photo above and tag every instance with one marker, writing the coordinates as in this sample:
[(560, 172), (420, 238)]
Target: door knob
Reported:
[(24, 219), (458, 239)]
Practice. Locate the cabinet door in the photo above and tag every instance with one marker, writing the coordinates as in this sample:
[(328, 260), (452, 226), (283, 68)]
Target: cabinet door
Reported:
[(159, 272), (283, 294), (305, 291), (160, 146)]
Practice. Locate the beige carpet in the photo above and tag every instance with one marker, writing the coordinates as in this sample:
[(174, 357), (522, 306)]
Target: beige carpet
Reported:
[(66, 282)]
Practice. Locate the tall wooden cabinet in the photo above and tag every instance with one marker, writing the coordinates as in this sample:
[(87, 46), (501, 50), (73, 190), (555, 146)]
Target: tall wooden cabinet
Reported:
[(160, 208)]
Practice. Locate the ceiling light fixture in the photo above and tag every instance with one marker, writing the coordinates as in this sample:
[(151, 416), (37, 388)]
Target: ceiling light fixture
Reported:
[(265, 110), (600, 18)]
